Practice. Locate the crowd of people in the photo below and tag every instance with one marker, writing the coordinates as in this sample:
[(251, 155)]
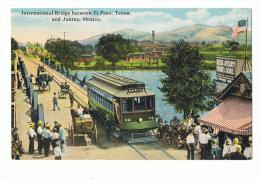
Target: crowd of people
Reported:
[(211, 143), (47, 139)]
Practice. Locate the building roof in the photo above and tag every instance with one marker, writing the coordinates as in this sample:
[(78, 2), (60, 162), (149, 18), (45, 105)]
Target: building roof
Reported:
[(233, 115), (87, 55), (116, 80), (246, 75)]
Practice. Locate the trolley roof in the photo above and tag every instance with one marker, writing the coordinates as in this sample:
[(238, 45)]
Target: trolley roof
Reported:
[(118, 85), (116, 80)]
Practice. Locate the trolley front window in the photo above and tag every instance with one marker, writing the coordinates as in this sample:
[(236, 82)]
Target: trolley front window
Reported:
[(149, 102), (139, 103), (128, 105)]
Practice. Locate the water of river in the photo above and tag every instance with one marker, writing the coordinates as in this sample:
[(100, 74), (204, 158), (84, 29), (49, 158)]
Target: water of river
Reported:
[(151, 78)]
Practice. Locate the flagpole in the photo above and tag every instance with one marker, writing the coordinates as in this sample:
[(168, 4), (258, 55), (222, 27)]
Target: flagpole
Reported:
[(246, 39), (245, 55)]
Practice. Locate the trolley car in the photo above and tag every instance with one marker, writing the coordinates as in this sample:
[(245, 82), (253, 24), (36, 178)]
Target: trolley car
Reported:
[(125, 104)]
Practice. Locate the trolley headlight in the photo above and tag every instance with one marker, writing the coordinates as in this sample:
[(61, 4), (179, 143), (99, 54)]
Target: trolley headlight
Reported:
[(125, 120), (140, 120), (151, 117), (129, 119)]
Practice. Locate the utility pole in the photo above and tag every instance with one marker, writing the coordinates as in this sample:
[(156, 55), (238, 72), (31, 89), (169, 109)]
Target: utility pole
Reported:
[(64, 35)]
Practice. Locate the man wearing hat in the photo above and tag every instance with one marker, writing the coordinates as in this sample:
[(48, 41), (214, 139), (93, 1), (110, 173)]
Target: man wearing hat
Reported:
[(237, 155), (32, 134), (204, 138), (47, 137), (248, 152), (235, 144), (227, 149), (62, 137), (39, 136)]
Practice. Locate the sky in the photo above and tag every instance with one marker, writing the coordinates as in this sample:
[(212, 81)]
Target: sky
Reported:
[(29, 28)]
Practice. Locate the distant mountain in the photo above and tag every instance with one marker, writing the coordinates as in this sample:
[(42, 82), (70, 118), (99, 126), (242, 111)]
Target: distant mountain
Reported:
[(197, 32), (126, 33)]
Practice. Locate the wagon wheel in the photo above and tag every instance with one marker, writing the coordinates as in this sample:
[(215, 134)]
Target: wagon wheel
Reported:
[(94, 135), (72, 134)]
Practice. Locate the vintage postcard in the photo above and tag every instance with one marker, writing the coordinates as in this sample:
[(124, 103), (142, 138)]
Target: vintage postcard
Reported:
[(131, 83)]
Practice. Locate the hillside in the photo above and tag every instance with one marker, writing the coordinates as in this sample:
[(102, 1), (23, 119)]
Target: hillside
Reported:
[(197, 32)]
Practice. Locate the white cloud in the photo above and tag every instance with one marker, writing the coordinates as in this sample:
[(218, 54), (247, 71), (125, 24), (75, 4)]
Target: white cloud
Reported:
[(197, 15), (231, 18), (148, 20)]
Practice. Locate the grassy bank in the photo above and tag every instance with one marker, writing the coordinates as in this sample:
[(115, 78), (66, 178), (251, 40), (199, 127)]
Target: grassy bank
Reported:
[(209, 59)]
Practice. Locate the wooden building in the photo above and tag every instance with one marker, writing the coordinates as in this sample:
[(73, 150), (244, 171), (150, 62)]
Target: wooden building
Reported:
[(233, 115), (140, 56), (86, 58), (145, 56)]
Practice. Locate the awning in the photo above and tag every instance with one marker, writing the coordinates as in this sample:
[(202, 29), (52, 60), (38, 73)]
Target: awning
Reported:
[(233, 115)]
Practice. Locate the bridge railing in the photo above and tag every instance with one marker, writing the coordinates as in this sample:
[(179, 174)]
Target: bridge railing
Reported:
[(37, 110), (66, 72)]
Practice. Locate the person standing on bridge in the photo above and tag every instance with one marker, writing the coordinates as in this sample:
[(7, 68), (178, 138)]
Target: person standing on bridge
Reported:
[(32, 134), (71, 96), (62, 137), (47, 137), (190, 142), (55, 101), (39, 136)]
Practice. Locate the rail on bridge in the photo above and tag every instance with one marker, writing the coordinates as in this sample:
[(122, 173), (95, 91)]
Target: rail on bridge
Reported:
[(37, 110)]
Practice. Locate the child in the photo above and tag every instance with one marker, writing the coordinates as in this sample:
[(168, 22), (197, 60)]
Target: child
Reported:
[(57, 151)]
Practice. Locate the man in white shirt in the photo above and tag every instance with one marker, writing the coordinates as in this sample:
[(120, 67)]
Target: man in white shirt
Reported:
[(62, 137), (190, 141), (235, 145), (32, 134), (204, 138), (80, 110), (47, 137), (226, 149), (55, 137), (197, 131), (39, 136)]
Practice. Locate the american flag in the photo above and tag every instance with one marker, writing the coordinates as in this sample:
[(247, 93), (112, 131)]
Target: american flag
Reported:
[(236, 31)]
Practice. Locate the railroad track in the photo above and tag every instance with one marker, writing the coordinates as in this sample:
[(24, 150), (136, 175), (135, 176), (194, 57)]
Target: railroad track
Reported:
[(59, 78), (144, 155)]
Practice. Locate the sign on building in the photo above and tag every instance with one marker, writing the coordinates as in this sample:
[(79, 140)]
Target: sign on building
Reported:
[(227, 68)]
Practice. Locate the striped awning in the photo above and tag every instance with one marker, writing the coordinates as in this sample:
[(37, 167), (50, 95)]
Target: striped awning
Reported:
[(233, 115)]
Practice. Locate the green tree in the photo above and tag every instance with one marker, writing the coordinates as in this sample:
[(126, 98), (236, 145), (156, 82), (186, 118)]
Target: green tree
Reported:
[(66, 52), (14, 44), (186, 84), (112, 47), (87, 49)]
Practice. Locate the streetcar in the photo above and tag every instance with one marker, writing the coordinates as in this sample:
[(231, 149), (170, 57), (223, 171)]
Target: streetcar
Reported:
[(126, 105)]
